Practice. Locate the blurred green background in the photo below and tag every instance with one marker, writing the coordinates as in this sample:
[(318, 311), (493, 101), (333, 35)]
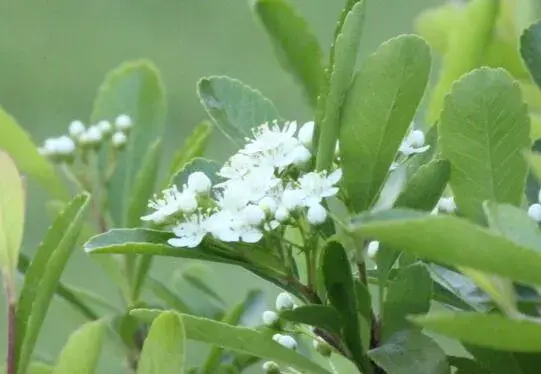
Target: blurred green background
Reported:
[(55, 53)]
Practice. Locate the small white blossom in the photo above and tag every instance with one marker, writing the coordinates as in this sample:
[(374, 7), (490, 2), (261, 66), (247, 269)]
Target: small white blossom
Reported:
[(372, 249), (292, 198), (316, 214), (317, 185), (168, 203), (284, 302), (447, 204), (105, 127), (199, 182), (123, 122), (534, 211), (281, 214), (268, 205), (76, 128), (300, 155), (189, 233), (237, 166), (306, 133), (287, 341), (414, 143), (119, 139), (187, 201), (270, 317), (254, 215)]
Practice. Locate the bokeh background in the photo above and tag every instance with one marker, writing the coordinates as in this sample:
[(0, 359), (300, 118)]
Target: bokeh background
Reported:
[(55, 53)]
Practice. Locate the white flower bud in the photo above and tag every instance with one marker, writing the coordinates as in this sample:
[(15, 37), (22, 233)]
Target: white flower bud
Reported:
[(64, 145), (119, 139), (306, 133), (268, 205), (447, 204), (287, 341), (372, 249), (270, 317), (199, 182), (276, 337), (271, 367), (281, 214), (254, 215), (76, 128), (284, 302), (92, 136), (292, 199), (105, 127), (316, 214), (123, 122), (534, 211), (300, 155), (337, 148), (416, 138), (187, 202)]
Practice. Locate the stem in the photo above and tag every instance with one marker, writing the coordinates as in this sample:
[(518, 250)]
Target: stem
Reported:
[(12, 312)]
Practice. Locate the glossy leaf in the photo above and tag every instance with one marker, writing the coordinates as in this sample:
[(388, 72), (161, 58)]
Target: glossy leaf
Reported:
[(240, 339), (468, 41), (452, 241), (235, 107), (530, 49), (134, 88), (82, 351), (484, 130), (409, 293), (143, 185), (485, 330), (164, 347), (12, 209), (194, 146), (321, 316), (338, 280), (296, 46), (410, 352), (43, 276), (377, 113), (342, 65), (17, 142)]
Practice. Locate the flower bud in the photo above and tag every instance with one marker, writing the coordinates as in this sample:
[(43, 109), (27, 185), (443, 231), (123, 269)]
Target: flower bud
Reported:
[(92, 137), (306, 133), (119, 139), (281, 214), (322, 347), (292, 199), (316, 214), (534, 211), (105, 127), (447, 204), (300, 155), (123, 122), (268, 205), (187, 202), (254, 215), (76, 128), (270, 318), (271, 367), (284, 302), (276, 337), (287, 341), (372, 249), (416, 138), (199, 182)]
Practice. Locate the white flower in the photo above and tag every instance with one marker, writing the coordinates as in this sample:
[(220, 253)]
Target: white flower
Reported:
[(372, 249), (230, 226), (316, 214), (271, 367), (105, 127), (187, 201), (300, 155), (91, 136), (292, 198), (119, 139), (270, 317), (189, 233), (233, 198), (199, 182), (414, 143), (317, 185), (281, 214), (306, 133), (76, 128), (268, 205), (447, 204), (123, 122), (287, 341), (534, 211), (169, 202), (253, 215), (237, 166), (284, 302)]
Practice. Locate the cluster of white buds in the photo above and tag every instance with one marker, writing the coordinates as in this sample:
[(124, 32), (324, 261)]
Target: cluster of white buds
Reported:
[(534, 210), (63, 148), (264, 185), (284, 301), (446, 204)]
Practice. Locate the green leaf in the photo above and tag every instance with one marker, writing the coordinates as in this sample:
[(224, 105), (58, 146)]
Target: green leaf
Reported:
[(409, 293), (143, 185), (43, 276), (324, 317), (466, 366), (192, 277), (377, 113), (240, 339), (452, 241), (16, 141), (530, 49), (435, 25), (134, 88), (39, 368), (167, 296), (164, 347), (82, 351), (194, 146), (486, 330), (484, 130), (426, 186), (410, 352), (339, 285), (342, 65), (365, 313), (209, 167), (503, 362), (12, 209), (296, 46), (467, 44), (235, 107)]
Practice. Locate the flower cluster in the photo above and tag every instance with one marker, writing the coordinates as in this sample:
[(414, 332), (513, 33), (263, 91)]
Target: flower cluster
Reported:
[(63, 148), (264, 185)]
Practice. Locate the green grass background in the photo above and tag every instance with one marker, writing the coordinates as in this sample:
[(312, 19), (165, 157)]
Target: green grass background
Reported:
[(55, 53)]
